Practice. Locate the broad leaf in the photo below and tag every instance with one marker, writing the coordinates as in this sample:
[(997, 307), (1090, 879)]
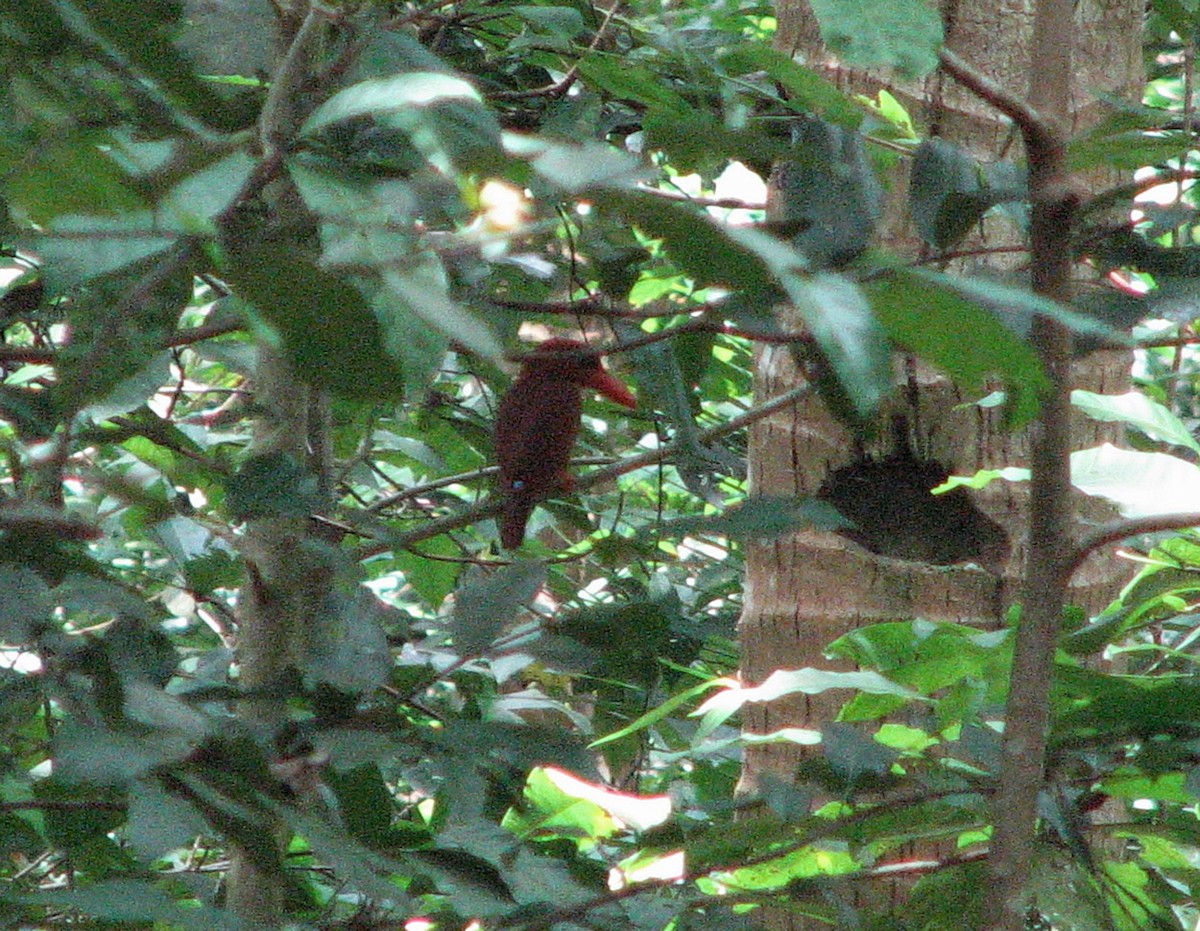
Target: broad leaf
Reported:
[(331, 337), (826, 191), (1139, 484), (929, 315), (442, 114), (950, 192), (25, 604), (1137, 410)]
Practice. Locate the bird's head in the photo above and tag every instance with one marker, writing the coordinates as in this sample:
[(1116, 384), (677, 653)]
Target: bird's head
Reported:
[(573, 361)]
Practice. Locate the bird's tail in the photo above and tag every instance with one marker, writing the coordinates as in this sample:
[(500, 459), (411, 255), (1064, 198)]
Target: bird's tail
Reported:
[(513, 517)]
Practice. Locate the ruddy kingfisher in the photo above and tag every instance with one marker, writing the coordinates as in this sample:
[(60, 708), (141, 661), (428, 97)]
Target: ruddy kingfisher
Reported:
[(537, 423)]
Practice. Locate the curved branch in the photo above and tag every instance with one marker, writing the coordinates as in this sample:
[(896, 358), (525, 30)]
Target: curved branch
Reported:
[(1035, 126), (1116, 530)]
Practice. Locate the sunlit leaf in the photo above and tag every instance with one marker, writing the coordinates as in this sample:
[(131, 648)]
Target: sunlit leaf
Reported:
[(1138, 483), (1137, 410)]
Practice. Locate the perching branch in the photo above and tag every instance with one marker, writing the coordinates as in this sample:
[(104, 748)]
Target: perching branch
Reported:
[(1037, 129), (491, 507)]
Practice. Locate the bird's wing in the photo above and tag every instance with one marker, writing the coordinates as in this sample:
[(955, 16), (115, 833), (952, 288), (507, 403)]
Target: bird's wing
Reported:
[(536, 428)]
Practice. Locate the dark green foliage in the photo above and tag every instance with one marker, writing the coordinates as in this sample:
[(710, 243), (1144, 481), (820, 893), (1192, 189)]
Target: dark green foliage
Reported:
[(446, 734)]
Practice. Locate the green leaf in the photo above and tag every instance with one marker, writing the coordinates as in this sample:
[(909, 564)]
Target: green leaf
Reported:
[(982, 479), (807, 90), (76, 249), (134, 902), (840, 317), (1139, 484), (704, 249), (377, 96), (350, 651), (562, 21), (759, 517), (652, 717), (419, 285), (328, 332), (828, 191), (271, 485), (442, 114), (1137, 410), (97, 756), (901, 34), (160, 822), (548, 811), (365, 802), (25, 604), (144, 36), (577, 168), (931, 316), (630, 80), (949, 192), (783, 682), (70, 174)]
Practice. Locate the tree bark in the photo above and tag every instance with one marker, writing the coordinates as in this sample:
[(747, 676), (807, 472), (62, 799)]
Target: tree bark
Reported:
[(807, 589)]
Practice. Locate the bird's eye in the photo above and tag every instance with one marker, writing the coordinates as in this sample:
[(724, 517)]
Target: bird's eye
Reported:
[(518, 485)]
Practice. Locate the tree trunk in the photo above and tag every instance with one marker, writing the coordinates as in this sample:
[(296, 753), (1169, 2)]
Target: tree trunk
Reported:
[(285, 600), (805, 590)]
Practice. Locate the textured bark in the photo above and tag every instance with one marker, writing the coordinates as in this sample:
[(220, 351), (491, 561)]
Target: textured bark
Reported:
[(805, 590)]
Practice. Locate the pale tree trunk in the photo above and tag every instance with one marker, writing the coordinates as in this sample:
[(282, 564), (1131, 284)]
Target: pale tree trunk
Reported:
[(807, 589), (289, 563)]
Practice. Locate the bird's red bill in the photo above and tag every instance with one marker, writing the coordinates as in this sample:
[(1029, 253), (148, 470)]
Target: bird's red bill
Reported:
[(612, 388)]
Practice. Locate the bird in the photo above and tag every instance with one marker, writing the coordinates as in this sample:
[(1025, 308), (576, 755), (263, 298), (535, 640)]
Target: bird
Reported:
[(537, 423)]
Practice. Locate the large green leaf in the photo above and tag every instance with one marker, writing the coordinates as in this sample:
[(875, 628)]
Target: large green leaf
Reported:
[(328, 332), (1138, 483), (485, 604), (76, 248), (931, 316), (1137, 410), (419, 286), (701, 247), (758, 518), (134, 902), (807, 90), (856, 347), (442, 114), (631, 80), (827, 198), (950, 192), (72, 173), (24, 603)]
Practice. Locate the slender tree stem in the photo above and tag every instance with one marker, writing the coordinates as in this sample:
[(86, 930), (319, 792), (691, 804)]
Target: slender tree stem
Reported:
[(1047, 573)]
